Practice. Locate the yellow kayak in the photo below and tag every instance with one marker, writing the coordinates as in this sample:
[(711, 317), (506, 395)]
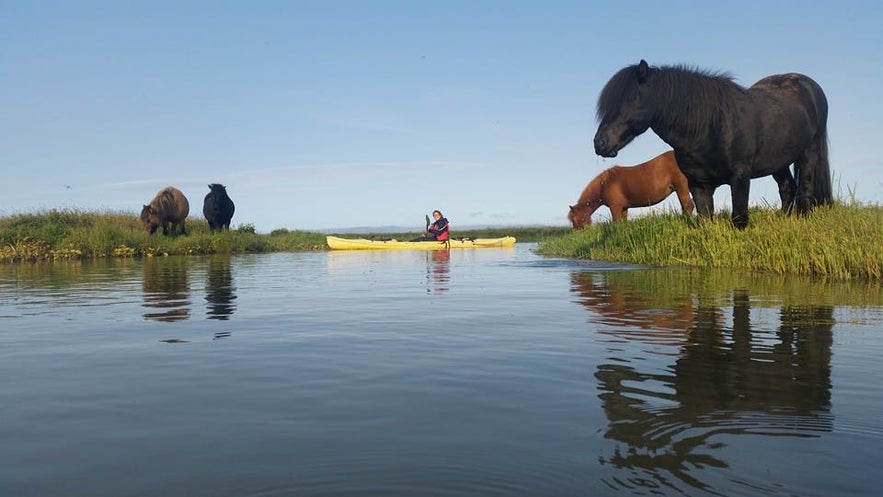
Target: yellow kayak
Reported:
[(337, 243)]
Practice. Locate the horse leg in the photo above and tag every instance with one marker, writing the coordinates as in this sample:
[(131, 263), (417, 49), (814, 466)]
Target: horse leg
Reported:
[(803, 200), (739, 186), (702, 197), (684, 198), (617, 211), (787, 188)]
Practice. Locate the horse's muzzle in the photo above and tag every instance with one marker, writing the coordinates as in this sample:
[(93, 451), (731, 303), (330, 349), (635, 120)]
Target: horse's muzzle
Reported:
[(604, 148)]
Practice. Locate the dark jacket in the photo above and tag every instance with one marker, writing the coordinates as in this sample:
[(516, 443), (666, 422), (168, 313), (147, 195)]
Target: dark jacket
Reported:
[(439, 229)]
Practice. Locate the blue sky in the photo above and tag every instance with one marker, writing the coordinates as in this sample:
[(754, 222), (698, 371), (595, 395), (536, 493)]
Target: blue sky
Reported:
[(330, 114)]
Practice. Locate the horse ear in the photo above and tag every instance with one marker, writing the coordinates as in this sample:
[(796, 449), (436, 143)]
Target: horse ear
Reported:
[(643, 69)]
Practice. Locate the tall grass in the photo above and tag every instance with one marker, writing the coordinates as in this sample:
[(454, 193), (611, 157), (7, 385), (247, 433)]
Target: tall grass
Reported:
[(841, 242), (70, 234)]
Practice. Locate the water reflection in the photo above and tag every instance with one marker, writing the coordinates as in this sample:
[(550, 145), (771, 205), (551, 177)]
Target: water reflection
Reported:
[(728, 369), (166, 289), (220, 292), (438, 270), (632, 308)]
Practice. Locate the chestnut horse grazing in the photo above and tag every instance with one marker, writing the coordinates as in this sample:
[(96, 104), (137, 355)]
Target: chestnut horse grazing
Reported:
[(168, 207), (622, 187)]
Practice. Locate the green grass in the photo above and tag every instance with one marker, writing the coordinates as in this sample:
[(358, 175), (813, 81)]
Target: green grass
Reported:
[(841, 242), (67, 234), (71, 234)]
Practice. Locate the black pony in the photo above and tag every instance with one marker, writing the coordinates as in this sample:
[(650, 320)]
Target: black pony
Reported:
[(723, 133), (217, 208)]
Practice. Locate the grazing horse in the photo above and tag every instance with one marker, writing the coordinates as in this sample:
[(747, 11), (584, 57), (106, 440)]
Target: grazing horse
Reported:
[(622, 187), (723, 133), (168, 207), (218, 208)]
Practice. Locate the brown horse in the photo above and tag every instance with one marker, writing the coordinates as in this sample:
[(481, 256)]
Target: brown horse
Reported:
[(622, 187), (168, 207)]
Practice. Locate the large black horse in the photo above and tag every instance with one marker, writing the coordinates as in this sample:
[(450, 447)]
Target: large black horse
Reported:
[(723, 133)]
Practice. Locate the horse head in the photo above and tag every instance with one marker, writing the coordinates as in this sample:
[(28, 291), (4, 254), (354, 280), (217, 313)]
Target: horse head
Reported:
[(623, 110), (580, 216), (150, 219)]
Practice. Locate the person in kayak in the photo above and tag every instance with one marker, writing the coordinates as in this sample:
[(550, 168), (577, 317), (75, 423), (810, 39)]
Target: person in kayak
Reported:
[(437, 231)]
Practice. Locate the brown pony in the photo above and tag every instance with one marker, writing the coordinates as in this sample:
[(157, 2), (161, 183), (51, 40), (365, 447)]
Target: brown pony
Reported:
[(622, 187), (169, 206)]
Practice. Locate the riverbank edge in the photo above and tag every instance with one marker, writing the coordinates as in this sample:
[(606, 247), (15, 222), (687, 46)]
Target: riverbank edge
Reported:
[(841, 242)]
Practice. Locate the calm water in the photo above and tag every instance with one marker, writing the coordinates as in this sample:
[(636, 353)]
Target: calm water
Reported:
[(479, 372)]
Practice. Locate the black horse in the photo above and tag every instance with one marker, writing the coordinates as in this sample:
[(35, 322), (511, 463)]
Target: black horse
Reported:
[(723, 133), (217, 208)]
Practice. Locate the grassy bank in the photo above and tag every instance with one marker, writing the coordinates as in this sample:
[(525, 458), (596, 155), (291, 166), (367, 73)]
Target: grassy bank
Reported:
[(67, 234), (842, 242)]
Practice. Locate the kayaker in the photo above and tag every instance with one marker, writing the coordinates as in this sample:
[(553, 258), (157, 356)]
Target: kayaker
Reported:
[(437, 231)]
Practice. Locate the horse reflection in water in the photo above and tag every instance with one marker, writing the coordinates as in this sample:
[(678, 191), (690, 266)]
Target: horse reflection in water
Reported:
[(729, 377), (660, 317), (166, 289), (438, 270), (220, 293)]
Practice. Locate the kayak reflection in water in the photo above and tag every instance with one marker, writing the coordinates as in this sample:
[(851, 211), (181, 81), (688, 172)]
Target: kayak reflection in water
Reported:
[(437, 231)]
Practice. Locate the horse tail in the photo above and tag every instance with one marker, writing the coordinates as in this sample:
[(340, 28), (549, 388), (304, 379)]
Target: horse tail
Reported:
[(822, 191)]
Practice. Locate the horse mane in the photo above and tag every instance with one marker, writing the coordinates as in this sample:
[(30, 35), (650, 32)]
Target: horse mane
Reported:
[(703, 93), (592, 191)]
